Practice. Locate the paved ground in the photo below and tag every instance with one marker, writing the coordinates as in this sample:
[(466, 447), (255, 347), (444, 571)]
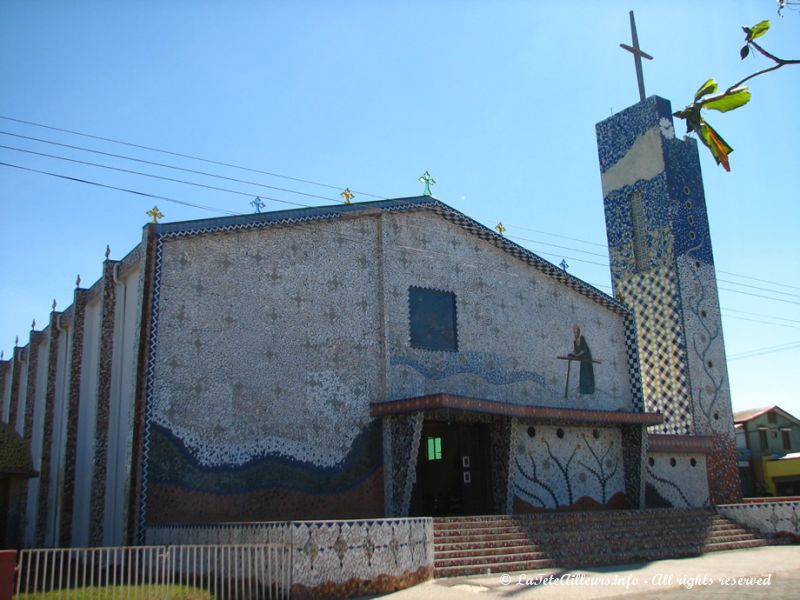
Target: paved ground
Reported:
[(767, 572)]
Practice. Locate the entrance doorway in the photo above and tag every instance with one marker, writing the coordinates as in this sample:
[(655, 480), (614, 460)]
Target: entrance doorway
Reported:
[(453, 470)]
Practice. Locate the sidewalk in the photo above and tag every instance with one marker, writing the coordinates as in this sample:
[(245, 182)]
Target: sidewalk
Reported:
[(771, 571)]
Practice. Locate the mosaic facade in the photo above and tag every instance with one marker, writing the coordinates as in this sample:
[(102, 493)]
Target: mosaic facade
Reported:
[(315, 308), (557, 467), (676, 480), (512, 323), (663, 268), (781, 519), (330, 559)]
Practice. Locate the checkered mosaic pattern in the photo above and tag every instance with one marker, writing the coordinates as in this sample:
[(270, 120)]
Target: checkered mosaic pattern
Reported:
[(655, 300)]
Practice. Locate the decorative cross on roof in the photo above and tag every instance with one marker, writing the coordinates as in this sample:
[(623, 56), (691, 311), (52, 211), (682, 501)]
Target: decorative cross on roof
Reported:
[(638, 54), (501, 229), (428, 181), (347, 195), (155, 214), (563, 264), (258, 204)]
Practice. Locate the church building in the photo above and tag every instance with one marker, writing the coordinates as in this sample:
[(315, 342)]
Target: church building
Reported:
[(381, 359)]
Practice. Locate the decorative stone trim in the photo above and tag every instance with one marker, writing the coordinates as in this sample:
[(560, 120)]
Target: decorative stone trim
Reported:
[(541, 413), (680, 444), (136, 506), (73, 406), (30, 402), (98, 499), (13, 409), (47, 433)]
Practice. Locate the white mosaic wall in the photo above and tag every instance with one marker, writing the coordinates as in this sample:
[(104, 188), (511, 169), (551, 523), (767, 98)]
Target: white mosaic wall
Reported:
[(323, 551), (286, 320), (766, 517), (706, 349), (681, 479), (327, 551), (513, 322), (219, 533), (552, 471)]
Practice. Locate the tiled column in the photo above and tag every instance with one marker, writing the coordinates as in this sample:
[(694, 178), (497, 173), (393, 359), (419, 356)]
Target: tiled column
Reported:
[(109, 296), (47, 433), (13, 409), (633, 456), (136, 526), (73, 405), (5, 373), (30, 402)]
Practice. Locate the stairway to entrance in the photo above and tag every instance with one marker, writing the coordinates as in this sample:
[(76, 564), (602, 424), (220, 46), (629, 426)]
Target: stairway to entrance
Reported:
[(502, 544)]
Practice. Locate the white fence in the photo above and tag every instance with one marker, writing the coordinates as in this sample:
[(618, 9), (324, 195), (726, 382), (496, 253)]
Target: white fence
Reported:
[(227, 572)]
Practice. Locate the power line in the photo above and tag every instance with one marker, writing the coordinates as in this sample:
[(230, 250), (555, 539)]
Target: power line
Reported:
[(112, 187), (757, 279), (204, 173), (171, 179), (189, 156), (301, 180), (763, 351), (760, 321), (158, 164), (162, 177), (758, 295), (744, 312), (516, 237), (755, 287)]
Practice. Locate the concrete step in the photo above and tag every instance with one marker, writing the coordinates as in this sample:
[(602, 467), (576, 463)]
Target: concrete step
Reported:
[(501, 543)]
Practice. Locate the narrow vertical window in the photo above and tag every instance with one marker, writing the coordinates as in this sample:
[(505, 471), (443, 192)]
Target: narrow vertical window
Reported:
[(762, 438), (434, 448), (639, 225), (786, 434)]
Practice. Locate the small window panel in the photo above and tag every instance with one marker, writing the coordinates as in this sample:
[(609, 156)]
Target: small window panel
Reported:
[(786, 434), (762, 438), (432, 319), (434, 448)]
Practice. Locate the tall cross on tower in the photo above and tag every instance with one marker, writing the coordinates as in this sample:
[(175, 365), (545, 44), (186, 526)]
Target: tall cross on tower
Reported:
[(638, 54)]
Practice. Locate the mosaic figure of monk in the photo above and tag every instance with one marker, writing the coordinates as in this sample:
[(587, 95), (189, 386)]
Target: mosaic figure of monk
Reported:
[(580, 350)]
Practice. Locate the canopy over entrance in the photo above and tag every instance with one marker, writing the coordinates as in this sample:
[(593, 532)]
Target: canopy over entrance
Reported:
[(493, 407)]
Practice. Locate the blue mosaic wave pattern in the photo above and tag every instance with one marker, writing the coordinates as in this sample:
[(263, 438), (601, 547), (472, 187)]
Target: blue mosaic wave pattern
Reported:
[(490, 367)]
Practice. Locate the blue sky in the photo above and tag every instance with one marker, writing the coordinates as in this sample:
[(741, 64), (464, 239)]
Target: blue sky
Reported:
[(498, 100)]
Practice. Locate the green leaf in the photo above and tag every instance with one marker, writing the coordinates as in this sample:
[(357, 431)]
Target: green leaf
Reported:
[(719, 148), (758, 30), (709, 87), (736, 98), (744, 52)]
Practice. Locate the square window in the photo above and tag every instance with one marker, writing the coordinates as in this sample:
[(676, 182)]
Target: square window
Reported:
[(432, 317)]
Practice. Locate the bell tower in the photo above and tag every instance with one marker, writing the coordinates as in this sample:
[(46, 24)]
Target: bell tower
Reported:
[(662, 267)]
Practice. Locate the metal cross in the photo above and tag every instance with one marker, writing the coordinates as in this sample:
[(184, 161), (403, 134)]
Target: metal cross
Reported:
[(564, 265), (155, 213), (638, 54), (428, 181), (347, 195), (258, 204), (501, 229)]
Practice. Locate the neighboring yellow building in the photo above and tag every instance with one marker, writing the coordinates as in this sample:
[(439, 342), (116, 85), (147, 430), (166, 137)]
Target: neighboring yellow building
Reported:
[(782, 475), (768, 449)]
